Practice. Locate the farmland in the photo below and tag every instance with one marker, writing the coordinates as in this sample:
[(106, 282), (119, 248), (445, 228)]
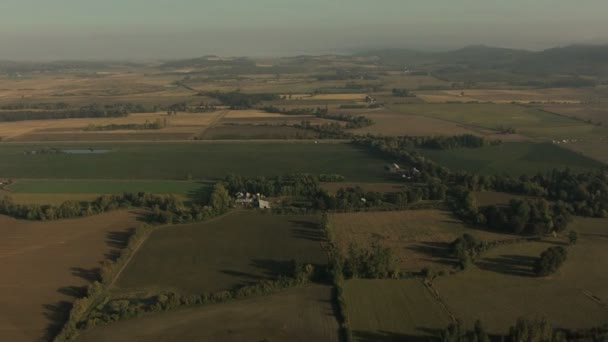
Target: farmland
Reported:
[(269, 317), (512, 158), (37, 293), (236, 250), (502, 288), (393, 310), (225, 272), (418, 238), (196, 160), (528, 121)]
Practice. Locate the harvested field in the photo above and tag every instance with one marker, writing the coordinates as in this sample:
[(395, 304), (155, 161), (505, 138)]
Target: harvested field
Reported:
[(46, 265), (200, 160), (300, 314), (545, 95), (417, 238), (512, 158), (502, 287), (238, 249), (393, 310)]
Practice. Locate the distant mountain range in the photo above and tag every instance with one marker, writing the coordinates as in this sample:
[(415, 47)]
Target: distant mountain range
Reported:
[(573, 60)]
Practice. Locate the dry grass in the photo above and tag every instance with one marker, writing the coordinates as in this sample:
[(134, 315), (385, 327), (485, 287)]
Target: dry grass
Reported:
[(299, 314), (46, 264), (418, 238)]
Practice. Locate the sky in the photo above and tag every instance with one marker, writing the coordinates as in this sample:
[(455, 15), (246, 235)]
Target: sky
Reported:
[(167, 29)]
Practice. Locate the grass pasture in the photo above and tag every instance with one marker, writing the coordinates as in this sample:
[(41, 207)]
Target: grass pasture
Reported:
[(46, 265), (513, 158), (393, 310), (299, 314), (417, 238), (238, 249), (201, 160), (502, 287)]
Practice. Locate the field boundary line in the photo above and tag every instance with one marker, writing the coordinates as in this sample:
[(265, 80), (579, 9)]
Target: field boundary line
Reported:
[(429, 286)]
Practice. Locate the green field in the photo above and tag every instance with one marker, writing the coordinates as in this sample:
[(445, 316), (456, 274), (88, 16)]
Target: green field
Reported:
[(529, 121), (512, 158), (300, 314), (58, 186), (393, 310), (501, 287), (199, 160), (238, 249)]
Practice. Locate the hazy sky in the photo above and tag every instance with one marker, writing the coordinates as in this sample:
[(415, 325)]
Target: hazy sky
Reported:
[(136, 29)]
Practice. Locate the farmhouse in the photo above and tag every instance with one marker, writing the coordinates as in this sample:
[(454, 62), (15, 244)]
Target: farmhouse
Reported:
[(263, 204)]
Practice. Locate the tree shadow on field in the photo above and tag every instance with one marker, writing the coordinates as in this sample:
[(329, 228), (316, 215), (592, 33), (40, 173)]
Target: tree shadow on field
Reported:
[(56, 314), (91, 274), (200, 195), (273, 268), (73, 291), (117, 241), (438, 252), (244, 278), (306, 230), (387, 336), (516, 265)]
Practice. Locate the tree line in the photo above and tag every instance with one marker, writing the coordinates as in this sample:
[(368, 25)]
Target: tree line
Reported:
[(164, 208), (90, 111), (524, 330), (585, 194), (157, 124)]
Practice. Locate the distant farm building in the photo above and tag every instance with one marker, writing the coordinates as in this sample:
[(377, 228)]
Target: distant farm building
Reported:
[(263, 204)]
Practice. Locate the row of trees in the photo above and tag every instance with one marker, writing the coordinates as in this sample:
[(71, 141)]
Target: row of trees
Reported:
[(527, 216), (586, 194), (238, 100), (550, 261), (91, 111), (164, 208), (524, 330), (157, 124)]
